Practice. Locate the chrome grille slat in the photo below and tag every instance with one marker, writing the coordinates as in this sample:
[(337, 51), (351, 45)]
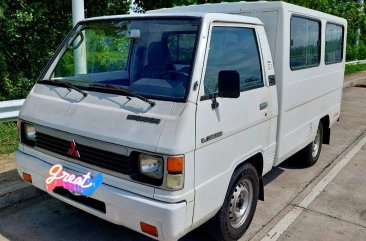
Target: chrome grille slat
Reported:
[(52, 145), (89, 155), (45, 138)]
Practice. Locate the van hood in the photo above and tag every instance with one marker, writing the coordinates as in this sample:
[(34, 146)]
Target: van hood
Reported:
[(111, 118)]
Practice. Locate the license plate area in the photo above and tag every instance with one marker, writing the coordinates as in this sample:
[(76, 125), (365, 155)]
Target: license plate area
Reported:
[(75, 184), (87, 201)]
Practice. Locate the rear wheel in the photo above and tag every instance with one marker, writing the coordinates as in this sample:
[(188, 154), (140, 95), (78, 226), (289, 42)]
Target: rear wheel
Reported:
[(237, 212), (310, 154)]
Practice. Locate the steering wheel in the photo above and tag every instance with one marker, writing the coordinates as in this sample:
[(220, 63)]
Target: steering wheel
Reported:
[(173, 72)]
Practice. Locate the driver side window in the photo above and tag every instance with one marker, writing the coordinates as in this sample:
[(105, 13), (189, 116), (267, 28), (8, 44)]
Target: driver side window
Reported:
[(235, 49)]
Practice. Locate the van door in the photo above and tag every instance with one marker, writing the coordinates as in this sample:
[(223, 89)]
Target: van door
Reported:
[(237, 128)]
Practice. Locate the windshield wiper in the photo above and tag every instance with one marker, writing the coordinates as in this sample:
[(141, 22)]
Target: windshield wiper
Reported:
[(64, 84), (123, 91)]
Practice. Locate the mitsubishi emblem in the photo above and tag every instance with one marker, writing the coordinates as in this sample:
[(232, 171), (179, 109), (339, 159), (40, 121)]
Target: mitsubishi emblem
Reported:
[(72, 150)]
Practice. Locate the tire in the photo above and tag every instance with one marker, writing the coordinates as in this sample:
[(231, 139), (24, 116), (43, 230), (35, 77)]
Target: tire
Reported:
[(310, 154), (230, 224)]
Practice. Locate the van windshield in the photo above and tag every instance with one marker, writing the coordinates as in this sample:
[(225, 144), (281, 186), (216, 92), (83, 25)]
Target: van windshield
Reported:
[(149, 57)]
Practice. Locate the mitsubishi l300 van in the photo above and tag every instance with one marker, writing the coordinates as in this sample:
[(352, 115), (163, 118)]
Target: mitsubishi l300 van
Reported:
[(164, 121)]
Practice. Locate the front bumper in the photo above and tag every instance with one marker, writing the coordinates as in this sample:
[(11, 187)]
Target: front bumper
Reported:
[(122, 207)]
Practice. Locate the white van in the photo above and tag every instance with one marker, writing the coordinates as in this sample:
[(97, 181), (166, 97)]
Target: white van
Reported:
[(163, 121)]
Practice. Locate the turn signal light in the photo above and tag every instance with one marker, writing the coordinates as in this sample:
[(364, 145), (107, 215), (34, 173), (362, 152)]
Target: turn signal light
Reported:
[(149, 229), (176, 164), (27, 177)]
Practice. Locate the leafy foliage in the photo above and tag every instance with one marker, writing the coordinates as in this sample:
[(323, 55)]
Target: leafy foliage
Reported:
[(31, 31), (350, 69), (106, 7), (148, 4), (106, 50)]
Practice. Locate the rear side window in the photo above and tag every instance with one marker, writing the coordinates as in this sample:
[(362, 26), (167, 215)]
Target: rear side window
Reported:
[(305, 43), (333, 43), (181, 47), (233, 48)]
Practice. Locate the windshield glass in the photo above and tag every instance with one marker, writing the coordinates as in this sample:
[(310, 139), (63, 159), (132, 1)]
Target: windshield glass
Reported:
[(149, 57)]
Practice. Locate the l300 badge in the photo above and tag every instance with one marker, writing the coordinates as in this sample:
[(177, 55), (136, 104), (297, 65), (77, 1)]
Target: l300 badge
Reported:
[(211, 137)]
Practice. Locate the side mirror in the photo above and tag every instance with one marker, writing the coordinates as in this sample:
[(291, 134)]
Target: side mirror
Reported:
[(229, 84)]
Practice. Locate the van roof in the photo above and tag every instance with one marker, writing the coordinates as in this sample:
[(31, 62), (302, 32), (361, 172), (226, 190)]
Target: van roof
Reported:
[(243, 6), (206, 17)]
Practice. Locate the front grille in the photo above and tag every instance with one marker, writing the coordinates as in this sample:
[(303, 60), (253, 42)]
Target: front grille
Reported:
[(90, 155)]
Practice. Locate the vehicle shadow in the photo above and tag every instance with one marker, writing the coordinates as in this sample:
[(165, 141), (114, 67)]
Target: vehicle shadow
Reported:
[(293, 162)]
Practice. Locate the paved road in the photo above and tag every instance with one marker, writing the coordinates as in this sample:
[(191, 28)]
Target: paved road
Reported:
[(324, 202)]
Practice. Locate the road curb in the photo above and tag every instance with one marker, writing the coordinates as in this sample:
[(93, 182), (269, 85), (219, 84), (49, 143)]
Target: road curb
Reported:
[(351, 83)]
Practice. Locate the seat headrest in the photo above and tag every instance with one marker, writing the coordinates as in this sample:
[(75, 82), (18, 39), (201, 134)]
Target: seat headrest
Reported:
[(158, 54)]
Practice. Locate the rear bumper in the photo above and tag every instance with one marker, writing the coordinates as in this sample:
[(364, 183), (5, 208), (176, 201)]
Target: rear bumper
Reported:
[(122, 207)]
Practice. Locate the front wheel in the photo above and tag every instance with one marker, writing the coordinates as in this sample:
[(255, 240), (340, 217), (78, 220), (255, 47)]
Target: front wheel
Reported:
[(236, 214)]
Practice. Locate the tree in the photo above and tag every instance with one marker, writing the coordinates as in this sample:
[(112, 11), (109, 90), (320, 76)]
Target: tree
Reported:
[(148, 5), (31, 30), (106, 7)]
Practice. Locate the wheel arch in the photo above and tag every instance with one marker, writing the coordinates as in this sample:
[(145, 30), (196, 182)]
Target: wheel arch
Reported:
[(257, 162)]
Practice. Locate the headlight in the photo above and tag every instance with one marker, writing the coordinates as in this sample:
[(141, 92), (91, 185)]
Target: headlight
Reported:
[(151, 166), (28, 134)]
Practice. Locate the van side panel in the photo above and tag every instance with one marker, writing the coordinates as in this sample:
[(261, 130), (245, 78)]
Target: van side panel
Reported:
[(307, 95), (216, 162), (270, 21)]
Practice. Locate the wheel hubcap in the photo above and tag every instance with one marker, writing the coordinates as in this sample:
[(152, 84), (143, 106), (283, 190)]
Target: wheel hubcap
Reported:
[(240, 203), (316, 144)]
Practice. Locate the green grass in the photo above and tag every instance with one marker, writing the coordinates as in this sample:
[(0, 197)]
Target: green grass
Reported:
[(8, 137), (354, 68)]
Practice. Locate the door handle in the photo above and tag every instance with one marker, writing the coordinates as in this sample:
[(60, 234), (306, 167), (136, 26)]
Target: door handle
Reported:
[(263, 105), (272, 80)]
